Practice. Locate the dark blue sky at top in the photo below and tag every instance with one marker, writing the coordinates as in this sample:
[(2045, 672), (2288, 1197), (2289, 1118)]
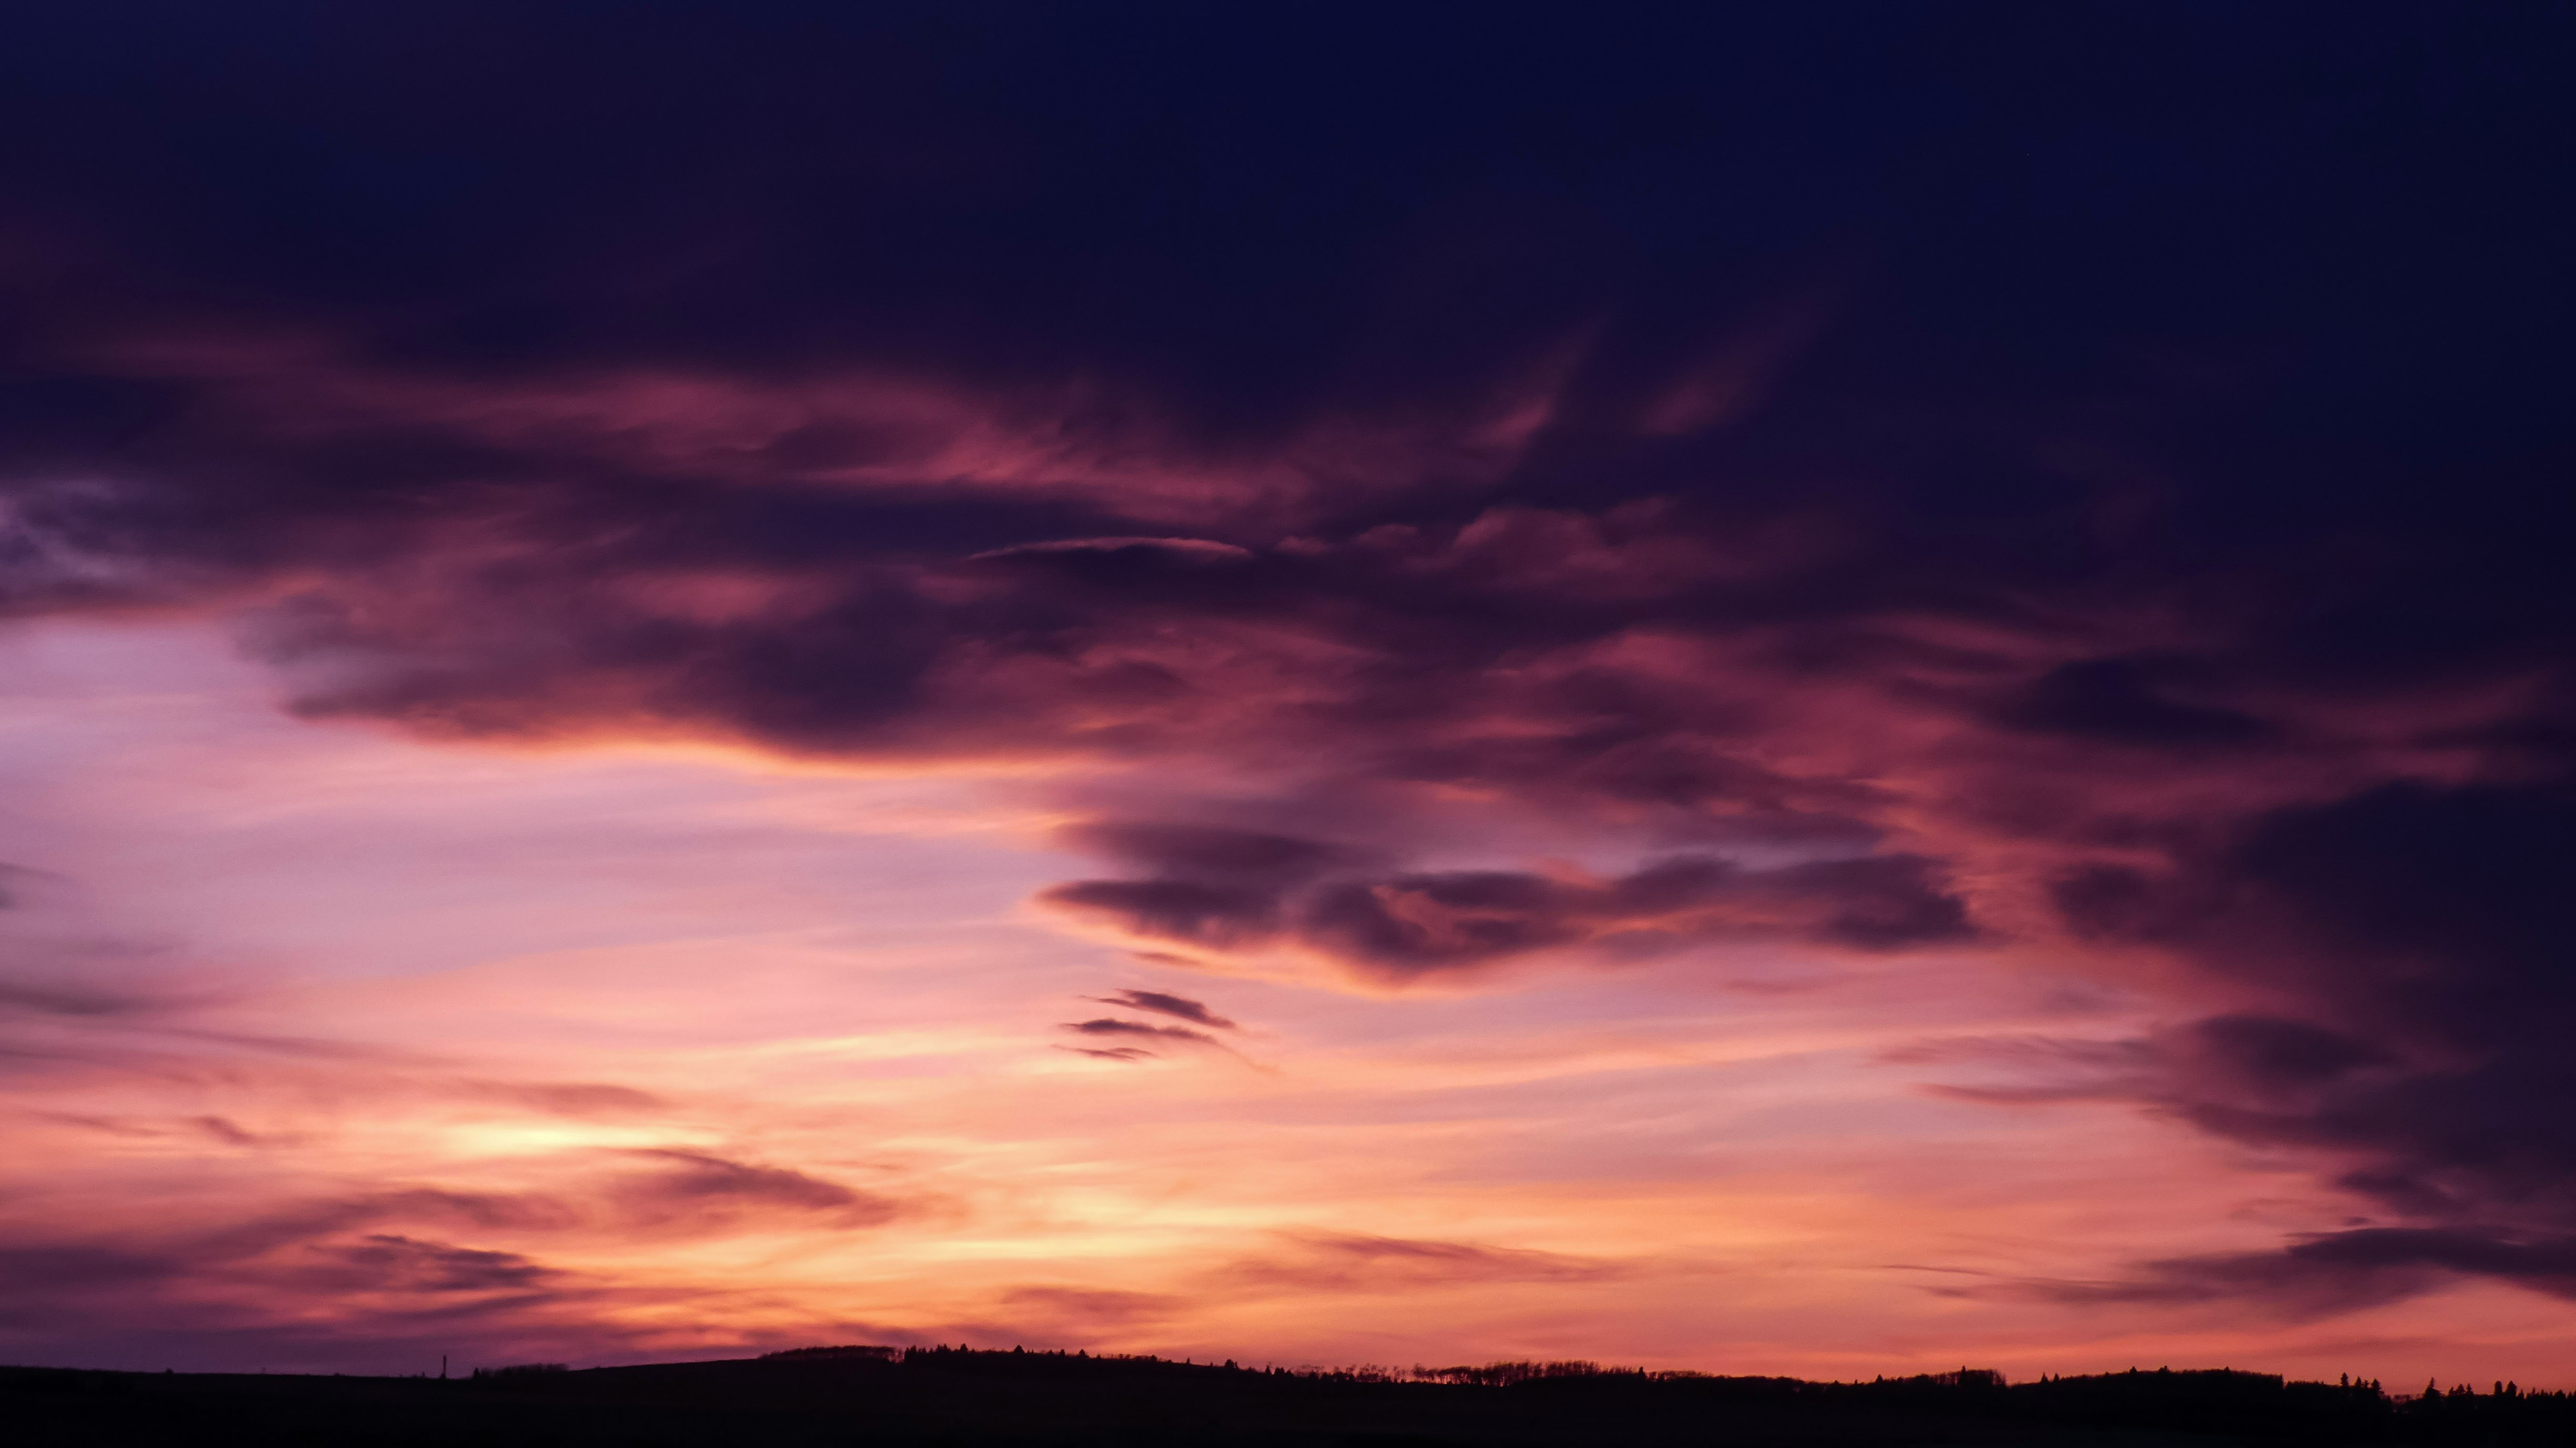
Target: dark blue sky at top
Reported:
[(2357, 211), (2306, 259)]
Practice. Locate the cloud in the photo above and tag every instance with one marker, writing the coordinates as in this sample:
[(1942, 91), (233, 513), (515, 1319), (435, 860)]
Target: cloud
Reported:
[(1350, 1262), (2408, 943), (353, 1278), (1103, 1306), (226, 1132), (56, 964), (1408, 925), (1180, 1007), (1108, 1026), (14, 881), (693, 1184), (1184, 551), (2117, 701), (70, 1001), (1182, 911), (260, 1272), (1209, 851), (2421, 933), (68, 1266), (2327, 1273), (384, 1262), (488, 1211), (285, 1293), (1136, 1041), (568, 1098)]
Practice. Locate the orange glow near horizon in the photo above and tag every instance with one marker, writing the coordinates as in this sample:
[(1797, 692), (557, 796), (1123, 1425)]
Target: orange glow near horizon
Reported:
[(641, 1053)]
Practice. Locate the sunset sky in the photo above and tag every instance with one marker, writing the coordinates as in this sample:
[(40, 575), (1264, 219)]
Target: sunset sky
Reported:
[(1776, 688)]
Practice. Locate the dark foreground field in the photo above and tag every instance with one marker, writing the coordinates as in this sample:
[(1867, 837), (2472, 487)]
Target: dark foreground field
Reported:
[(954, 1397)]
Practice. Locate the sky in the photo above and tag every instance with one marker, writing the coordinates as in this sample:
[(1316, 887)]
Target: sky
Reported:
[(1767, 689)]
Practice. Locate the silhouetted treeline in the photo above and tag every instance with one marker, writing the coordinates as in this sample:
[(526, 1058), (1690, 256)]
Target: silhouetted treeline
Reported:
[(521, 1370), (955, 1396)]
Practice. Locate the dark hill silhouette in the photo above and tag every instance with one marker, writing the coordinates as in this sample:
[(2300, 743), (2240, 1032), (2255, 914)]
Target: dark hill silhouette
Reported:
[(960, 1399)]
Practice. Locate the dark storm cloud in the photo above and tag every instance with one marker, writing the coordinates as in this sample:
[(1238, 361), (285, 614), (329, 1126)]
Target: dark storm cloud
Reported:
[(2113, 459)]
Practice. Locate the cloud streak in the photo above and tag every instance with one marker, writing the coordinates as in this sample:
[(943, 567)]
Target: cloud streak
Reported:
[(1406, 926), (1163, 1003)]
